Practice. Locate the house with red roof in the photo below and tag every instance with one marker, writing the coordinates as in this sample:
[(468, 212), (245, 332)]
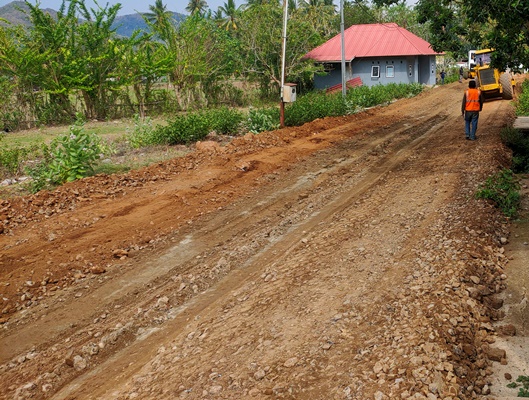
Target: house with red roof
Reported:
[(375, 54)]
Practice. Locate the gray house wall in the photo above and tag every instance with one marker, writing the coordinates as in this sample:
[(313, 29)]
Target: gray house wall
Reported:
[(419, 69)]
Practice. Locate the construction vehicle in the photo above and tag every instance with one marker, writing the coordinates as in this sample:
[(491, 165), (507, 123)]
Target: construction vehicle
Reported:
[(492, 82)]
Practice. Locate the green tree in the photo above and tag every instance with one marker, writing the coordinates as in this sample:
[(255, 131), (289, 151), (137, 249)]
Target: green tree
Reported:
[(251, 3), (230, 15), (197, 7), (358, 12), (98, 52), (160, 20), (202, 59), (260, 37), (321, 15), (500, 24)]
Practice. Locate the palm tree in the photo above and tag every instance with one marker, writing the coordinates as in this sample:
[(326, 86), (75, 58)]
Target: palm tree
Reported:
[(251, 3), (231, 14), (197, 7), (160, 19)]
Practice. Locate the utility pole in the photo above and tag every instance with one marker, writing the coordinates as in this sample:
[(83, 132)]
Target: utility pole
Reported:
[(283, 55), (344, 88)]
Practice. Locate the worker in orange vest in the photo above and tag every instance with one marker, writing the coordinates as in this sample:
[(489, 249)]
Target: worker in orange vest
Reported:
[(470, 107)]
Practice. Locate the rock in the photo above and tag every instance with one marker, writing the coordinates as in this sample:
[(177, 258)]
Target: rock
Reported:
[(215, 389), (469, 349), (494, 302), (260, 374), (380, 396), (507, 376), (508, 330), (208, 146), (79, 363), (98, 270), (378, 368), (495, 354), (291, 362), (475, 279), (485, 390), (120, 253), (162, 301)]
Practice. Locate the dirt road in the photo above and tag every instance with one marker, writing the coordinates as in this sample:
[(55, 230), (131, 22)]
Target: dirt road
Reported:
[(345, 259)]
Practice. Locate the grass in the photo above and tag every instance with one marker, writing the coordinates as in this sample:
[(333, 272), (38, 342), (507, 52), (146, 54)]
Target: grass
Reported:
[(522, 385), (121, 157), (503, 189)]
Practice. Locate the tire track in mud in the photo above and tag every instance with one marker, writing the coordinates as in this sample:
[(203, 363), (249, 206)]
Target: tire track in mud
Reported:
[(407, 141), (211, 235)]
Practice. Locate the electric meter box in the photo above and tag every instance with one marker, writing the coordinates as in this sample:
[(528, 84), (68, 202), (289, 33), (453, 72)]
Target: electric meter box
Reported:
[(289, 93)]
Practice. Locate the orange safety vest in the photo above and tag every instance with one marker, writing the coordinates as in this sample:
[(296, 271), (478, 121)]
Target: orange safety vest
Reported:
[(472, 100)]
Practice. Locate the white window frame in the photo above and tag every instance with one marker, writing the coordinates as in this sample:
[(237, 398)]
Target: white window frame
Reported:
[(390, 71), (375, 71)]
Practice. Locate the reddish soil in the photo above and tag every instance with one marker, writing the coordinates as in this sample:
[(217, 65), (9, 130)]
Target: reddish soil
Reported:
[(344, 259)]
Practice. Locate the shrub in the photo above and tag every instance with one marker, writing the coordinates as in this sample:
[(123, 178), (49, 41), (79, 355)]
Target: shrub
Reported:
[(11, 159), (504, 190), (313, 106), (519, 144), (73, 155), (141, 134), (68, 157), (522, 105), (224, 120), (262, 119), (183, 129)]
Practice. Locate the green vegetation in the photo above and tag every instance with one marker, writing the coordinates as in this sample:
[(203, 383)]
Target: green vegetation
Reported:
[(518, 142), (263, 119), (522, 104), (193, 126), (141, 134), (69, 157), (522, 385), (78, 153), (503, 189), (456, 26)]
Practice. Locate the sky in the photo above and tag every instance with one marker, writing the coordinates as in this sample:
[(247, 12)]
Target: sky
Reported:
[(133, 6)]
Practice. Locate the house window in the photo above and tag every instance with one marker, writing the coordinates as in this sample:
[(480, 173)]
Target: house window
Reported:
[(375, 71), (390, 71), (328, 67)]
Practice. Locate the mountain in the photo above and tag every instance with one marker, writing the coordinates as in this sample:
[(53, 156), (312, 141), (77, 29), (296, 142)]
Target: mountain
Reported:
[(127, 24), (124, 24), (12, 13)]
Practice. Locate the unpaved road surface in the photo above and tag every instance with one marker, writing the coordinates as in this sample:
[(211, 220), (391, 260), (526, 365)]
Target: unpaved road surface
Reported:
[(344, 259)]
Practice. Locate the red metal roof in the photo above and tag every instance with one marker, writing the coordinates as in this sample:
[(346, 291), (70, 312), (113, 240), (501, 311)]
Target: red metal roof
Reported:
[(372, 40)]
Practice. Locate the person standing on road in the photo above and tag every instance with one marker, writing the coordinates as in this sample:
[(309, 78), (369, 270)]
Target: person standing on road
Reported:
[(461, 74), (470, 107), (443, 74)]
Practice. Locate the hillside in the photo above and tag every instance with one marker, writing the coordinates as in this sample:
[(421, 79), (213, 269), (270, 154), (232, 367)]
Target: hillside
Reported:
[(14, 13), (125, 25)]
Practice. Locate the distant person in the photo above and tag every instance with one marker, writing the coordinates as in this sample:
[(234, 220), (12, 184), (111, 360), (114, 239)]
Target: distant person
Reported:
[(461, 74), (471, 105), (443, 74)]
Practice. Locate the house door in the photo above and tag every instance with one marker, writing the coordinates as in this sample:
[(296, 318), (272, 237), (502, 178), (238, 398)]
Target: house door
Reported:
[(410, 70)]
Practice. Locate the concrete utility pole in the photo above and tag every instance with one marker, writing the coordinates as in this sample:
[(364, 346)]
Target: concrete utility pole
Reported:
[(344, 88), (283, 55)]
